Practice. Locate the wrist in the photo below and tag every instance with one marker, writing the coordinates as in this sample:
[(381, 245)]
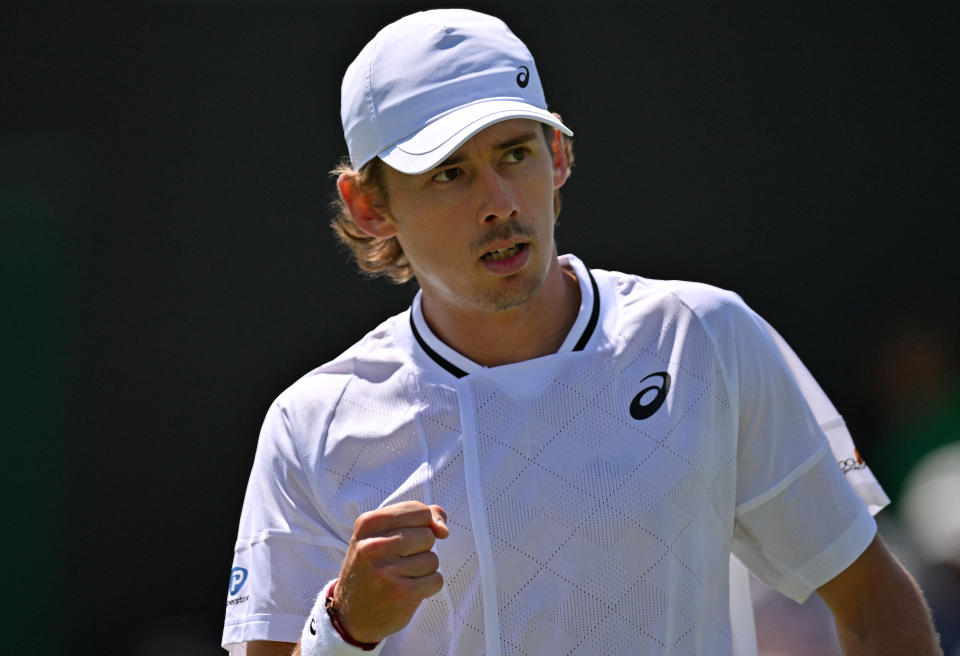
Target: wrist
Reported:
[(320, 637), (336, 619)]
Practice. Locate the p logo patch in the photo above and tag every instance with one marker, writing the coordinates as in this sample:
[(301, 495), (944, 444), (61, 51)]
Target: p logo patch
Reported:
[(238, 576)]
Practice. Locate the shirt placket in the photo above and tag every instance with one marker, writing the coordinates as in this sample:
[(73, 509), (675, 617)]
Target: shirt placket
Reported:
[(466, 393)]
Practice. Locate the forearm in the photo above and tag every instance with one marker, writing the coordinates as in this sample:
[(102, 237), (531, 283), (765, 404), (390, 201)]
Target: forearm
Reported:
[(879, 609), (901, 626)]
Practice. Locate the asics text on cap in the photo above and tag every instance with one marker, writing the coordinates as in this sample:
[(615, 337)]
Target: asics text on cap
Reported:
[(429, 81)]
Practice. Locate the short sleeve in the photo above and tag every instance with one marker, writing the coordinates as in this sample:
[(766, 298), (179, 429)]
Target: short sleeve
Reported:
[(798, 523), (285, 550), (844, 452)]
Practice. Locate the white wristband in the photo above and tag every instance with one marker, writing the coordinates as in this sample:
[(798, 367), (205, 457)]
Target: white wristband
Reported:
[(319, 638)]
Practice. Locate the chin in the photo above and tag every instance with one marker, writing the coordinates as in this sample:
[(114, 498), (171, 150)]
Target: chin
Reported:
[(518, 291)]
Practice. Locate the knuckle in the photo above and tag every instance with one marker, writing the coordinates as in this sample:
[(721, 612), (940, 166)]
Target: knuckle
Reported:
[(385, 579), (371, 549), (434, 584), (405, 508), (393, 572), (423, 538), (420, 514), (427, 534), (410, 541), (406, 586), (364, 522), (390, 586)]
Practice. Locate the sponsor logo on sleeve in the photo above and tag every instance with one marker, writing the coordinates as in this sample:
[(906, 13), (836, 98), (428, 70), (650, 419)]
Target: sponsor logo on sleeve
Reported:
[(852, 464), (238, 576)]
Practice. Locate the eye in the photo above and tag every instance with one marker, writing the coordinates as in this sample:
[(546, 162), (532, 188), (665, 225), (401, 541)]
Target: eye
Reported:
[(447, 175), (516, 155)]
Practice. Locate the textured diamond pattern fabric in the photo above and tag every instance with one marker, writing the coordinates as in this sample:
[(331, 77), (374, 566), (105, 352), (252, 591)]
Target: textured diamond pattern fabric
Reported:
[(620, 531)]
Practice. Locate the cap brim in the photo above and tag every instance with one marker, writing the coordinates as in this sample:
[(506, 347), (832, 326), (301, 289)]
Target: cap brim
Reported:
[(434, 143)]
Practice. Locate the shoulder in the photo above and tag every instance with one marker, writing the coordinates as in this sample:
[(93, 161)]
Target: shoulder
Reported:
[(296, 432), (638, 297), (377, 357)]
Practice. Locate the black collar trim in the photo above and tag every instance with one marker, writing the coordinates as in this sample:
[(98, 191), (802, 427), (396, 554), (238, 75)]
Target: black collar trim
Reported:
[(436, 357), (460, 373), (594, 316)]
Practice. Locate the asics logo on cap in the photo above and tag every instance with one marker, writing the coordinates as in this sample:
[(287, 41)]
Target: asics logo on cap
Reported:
[(640, 410), (523, 76)]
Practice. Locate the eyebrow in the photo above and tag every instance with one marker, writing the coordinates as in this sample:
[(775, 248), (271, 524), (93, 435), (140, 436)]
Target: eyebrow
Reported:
[(509, 143)]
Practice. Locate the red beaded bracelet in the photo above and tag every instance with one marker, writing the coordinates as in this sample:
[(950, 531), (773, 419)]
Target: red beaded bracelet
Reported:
[(338, 624)]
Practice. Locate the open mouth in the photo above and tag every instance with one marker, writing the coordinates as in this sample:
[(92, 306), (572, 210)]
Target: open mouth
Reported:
[(503, 253)]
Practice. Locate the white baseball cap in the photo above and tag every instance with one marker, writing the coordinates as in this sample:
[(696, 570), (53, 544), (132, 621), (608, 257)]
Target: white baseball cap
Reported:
[(429, 81)]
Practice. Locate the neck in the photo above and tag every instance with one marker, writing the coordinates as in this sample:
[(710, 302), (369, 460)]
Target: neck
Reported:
[(532, 329)]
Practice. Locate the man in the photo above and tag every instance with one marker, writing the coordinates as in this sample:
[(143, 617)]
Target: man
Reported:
[(536, 458)]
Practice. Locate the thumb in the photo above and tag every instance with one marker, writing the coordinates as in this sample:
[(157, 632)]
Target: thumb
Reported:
[(439, 525)]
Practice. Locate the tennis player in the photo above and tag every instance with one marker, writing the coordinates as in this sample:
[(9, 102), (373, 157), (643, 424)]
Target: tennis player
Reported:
[(537, 457)]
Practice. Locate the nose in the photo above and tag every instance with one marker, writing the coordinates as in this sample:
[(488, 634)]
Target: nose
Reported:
[(496, 196)]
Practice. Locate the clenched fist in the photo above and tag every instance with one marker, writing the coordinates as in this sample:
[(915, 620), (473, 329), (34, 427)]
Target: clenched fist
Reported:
[(389, 569)]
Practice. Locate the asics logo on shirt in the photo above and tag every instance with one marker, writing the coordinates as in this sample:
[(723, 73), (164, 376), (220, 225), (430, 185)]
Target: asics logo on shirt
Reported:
[(643, 404), (313, 626)]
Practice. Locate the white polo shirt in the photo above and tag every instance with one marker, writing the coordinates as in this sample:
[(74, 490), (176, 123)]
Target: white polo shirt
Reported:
[(594, 496)]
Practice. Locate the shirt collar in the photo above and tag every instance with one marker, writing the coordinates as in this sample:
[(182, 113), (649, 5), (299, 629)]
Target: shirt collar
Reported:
[(577, 338)]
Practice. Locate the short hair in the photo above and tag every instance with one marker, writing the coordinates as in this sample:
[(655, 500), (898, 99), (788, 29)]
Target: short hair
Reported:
[(378, 256)]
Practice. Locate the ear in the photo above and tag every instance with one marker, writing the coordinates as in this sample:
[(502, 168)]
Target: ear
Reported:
[(561, 165), (366, 208)]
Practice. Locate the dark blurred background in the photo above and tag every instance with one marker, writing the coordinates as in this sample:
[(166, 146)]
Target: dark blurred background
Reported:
[(167, 268)]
